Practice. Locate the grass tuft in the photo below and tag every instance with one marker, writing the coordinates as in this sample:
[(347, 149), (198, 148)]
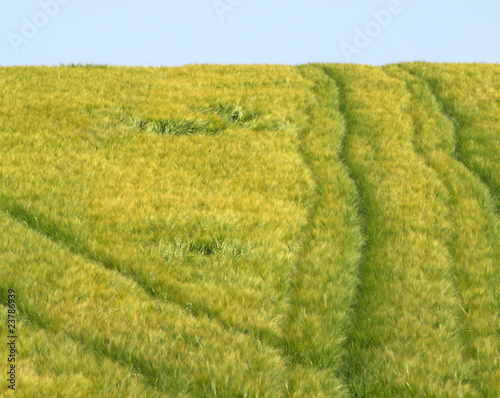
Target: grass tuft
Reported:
[(177, 126), (232, 113)]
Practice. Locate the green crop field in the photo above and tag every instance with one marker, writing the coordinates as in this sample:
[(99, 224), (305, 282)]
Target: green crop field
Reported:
[(251, 231)]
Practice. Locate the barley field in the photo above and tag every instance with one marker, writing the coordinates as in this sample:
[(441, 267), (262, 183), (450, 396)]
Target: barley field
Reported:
[(252, 231)]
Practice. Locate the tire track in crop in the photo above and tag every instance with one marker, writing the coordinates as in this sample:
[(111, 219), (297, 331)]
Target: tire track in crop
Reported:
[(325, 280), (75, 244), (71, 241), (363, 217), (454, 118), (68, 241), (295, 279), (36, 319), (404, 340), (38, 323), (421, 147), (28, 220), (237, 344), (360, 206), (475, 255), (113, 353)]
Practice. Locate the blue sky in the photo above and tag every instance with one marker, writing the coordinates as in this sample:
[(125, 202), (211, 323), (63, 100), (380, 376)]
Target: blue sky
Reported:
[(179, 32)]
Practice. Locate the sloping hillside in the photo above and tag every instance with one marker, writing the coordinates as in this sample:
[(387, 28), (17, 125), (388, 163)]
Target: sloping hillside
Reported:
[(271, 231)]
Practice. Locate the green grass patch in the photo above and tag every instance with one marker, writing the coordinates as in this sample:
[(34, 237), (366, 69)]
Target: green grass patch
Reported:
[(176, 126)]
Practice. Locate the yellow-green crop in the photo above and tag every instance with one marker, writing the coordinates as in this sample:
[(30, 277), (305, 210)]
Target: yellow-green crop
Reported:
[(252, 231)]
